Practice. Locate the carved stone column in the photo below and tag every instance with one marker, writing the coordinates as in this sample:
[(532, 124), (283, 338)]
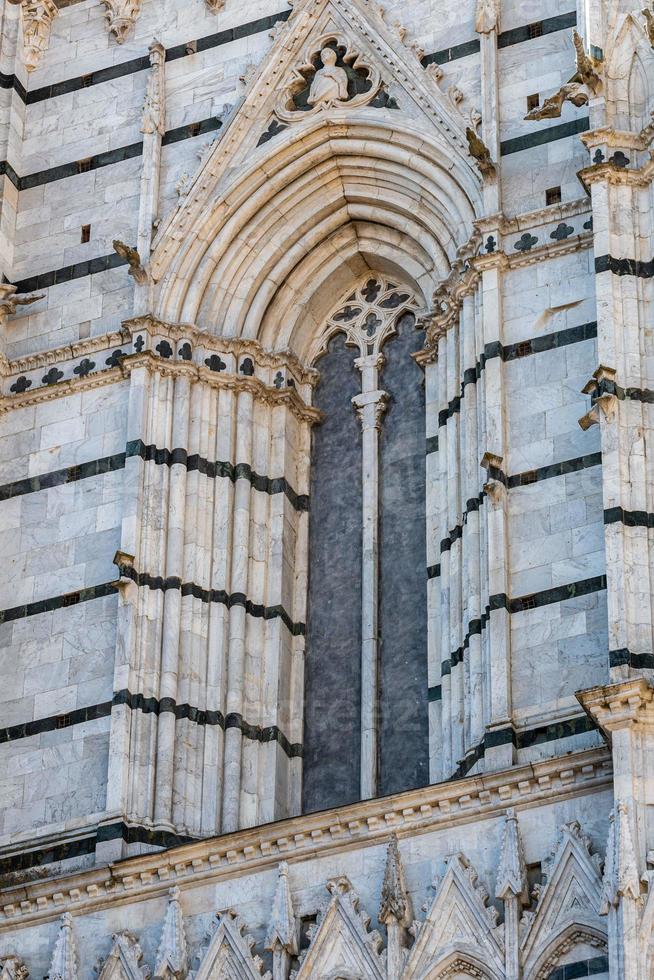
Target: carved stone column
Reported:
[(370, 406)]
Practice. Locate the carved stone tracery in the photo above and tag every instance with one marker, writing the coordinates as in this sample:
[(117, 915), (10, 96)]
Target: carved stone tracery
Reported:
[(369, 315)]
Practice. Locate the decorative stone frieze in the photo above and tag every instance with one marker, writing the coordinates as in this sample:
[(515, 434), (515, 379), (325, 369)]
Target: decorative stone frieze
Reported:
[(121, 16)]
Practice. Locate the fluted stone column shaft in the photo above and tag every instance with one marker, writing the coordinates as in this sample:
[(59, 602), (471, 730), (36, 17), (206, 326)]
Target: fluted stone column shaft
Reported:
[(237, 617), (174, 564)]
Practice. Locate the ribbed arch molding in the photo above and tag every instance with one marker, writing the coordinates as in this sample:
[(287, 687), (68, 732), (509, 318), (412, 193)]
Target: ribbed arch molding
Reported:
[(328, 201)]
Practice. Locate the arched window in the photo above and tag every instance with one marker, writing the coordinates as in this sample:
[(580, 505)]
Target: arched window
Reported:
[(366, 656)]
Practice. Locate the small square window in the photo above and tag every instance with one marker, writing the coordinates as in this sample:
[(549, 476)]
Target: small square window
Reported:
[(87, 80), (191, 47), (535, 29), (553, 195), (194, 129), (533, 101), (523, 348), (83, 166), (86, 234)]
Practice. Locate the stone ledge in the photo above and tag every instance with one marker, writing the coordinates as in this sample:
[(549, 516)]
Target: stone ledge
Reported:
[(432, 808)]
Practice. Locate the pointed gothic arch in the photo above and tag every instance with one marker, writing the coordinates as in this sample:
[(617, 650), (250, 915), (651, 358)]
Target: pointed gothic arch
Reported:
[(318, 205)]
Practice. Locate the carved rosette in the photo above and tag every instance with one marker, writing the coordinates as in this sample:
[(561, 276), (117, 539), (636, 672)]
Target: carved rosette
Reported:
[(37, 19), (121, 16), (314, 69)]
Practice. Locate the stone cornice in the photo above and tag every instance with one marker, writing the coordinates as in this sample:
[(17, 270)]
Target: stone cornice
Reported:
[(80, 348), (620, 139), (213, 341), (614, 175), (432, 808), (617, 706), (533, 219), (273, 377)]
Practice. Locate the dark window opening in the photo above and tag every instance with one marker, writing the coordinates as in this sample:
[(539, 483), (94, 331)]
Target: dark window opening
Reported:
[(553, 195), (533, 101), (86, 234), (83, 166), (87, 80), (535, 29)]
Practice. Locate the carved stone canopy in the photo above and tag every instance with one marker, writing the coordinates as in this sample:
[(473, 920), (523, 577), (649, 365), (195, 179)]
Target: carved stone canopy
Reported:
[(333, 74)]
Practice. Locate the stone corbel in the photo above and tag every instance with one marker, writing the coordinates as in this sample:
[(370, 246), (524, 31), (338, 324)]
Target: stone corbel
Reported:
[(125, 565), (121, 16), (136, 269), (9, 301), (481, 154), (603, 394), (37, 18), (495, 485)]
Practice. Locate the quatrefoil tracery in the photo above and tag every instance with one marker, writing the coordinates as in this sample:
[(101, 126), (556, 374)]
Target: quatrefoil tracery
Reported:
[(369, 315)]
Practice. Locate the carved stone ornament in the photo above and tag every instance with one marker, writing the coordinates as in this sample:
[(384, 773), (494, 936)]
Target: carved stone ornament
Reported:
[(37, 18), (215, 5), (13, 968), (585, 82), (487, 16), (121, 16), (368, 315), (332, 75), (649, 24), (154, 116), (63, 963)]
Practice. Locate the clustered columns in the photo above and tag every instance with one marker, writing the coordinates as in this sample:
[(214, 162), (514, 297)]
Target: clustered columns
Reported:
[(621, 184), (467, 524), (207, 723), (368, 319)]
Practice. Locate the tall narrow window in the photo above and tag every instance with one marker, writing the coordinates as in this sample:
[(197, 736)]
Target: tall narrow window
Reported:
[(366, 662)]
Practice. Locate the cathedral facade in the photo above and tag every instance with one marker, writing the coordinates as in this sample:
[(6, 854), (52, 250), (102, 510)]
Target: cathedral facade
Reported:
[(326, 502)]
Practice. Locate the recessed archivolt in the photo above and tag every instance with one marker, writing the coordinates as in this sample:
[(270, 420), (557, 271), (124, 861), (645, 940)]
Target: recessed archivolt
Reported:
[(313, 214)]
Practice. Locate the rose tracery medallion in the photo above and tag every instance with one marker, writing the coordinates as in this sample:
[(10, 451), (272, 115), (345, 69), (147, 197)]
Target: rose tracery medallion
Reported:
[(333, 74)]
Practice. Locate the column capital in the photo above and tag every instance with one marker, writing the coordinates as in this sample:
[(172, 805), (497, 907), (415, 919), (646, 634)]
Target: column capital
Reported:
[(370, 407)]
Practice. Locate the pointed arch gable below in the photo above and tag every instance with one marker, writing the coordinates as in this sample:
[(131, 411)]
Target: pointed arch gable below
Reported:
[(322, 202)]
